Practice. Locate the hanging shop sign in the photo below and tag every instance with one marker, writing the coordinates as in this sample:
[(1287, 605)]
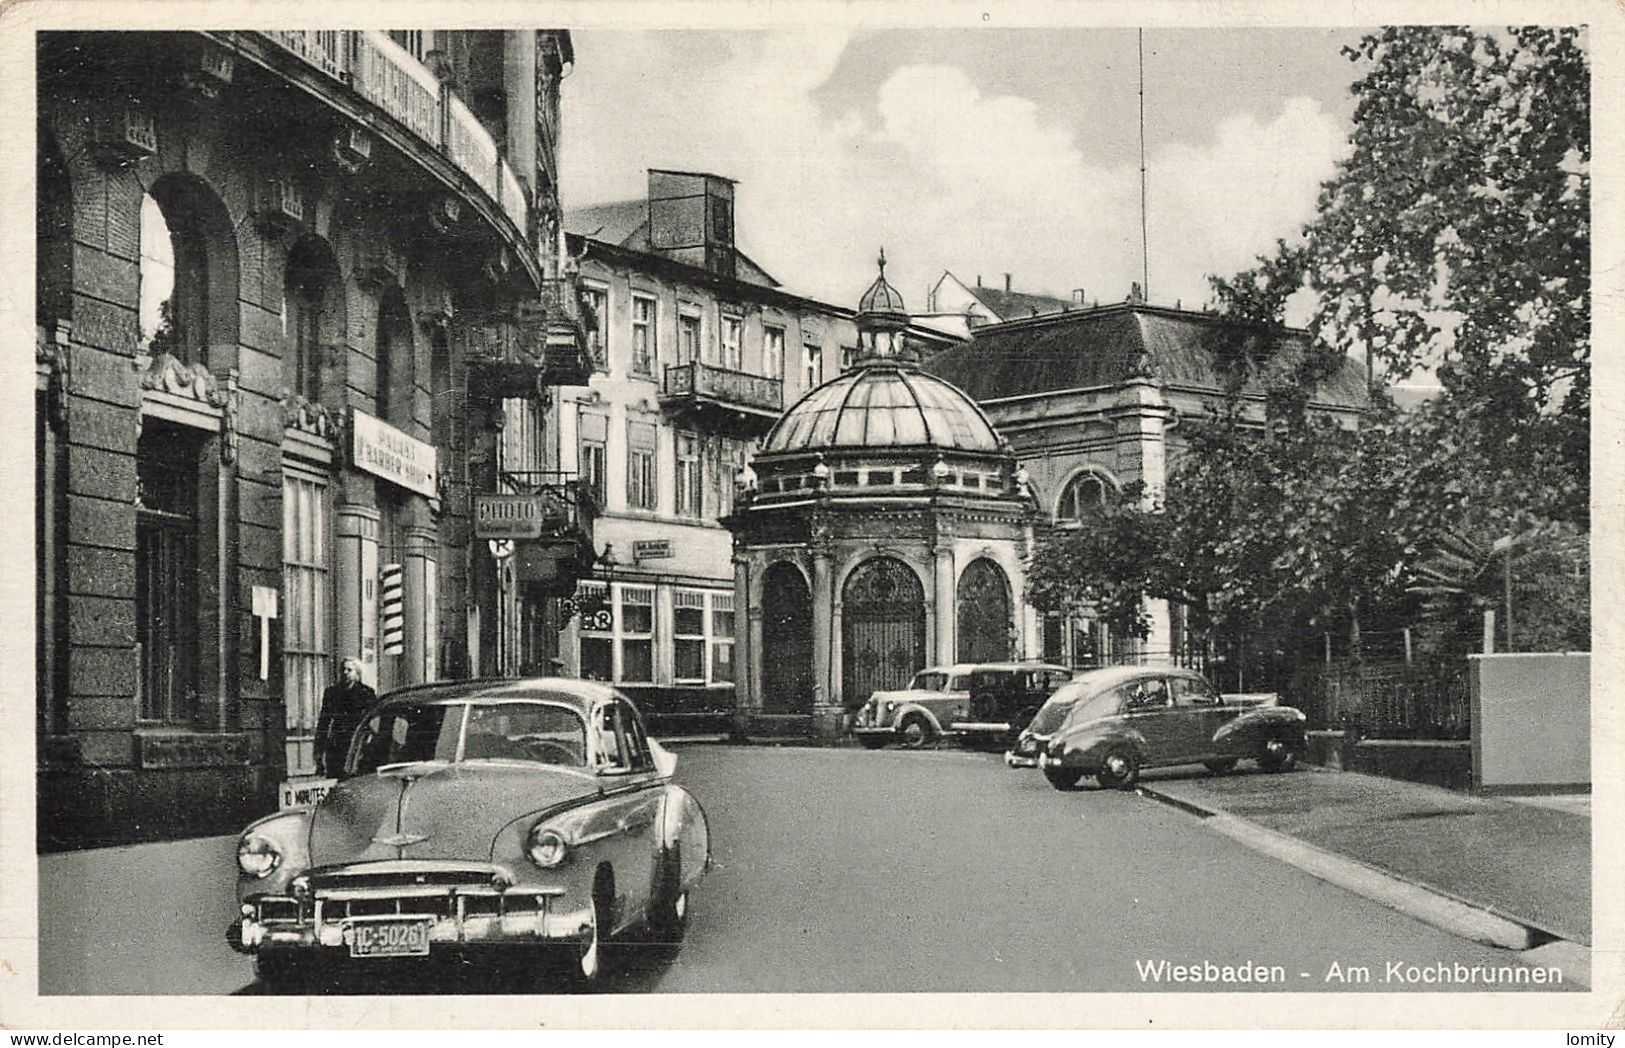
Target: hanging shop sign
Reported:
[(518, 516), (384, 451)]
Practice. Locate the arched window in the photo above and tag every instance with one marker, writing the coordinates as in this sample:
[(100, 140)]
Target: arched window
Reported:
[(310, 299), (188, 271), (395, 359), (1084, 497)]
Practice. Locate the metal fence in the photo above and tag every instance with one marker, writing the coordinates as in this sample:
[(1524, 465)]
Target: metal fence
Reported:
[(1426, 699)]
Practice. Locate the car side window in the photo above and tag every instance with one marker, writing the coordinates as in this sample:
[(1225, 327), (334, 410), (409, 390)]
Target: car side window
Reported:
[(611, 752), (636, 742), (1148, 694), (961, 683), (1188, 692)]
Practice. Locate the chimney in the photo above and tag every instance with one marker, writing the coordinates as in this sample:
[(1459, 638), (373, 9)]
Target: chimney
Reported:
[(1007, 283), (978, 280), (1077, 296)]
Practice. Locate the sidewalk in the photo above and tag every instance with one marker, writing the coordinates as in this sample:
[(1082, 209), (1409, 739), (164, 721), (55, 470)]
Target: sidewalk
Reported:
[(1523, 863)]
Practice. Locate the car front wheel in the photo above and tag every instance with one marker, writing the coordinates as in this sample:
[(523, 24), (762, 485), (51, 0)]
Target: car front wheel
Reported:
[(1221, 765), (872, 742), (280, 971), (668, 912), (1119, 770), (1062, 778), (916, 732), (1278, 755)]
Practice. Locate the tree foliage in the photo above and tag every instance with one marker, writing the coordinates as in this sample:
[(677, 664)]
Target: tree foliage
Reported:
[(1455, 239)]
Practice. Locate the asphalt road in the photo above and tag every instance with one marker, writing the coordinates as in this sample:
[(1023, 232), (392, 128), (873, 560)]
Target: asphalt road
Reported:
[(942, 871)]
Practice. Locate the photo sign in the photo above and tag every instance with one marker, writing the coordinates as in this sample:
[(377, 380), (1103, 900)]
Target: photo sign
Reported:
[(386, 452), (516, 516)]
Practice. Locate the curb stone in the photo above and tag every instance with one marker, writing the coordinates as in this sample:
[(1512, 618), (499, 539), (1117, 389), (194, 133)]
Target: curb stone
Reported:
[(1430, 905)]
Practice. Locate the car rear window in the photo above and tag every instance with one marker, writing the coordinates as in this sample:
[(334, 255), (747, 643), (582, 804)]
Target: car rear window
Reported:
[(1053, 712)]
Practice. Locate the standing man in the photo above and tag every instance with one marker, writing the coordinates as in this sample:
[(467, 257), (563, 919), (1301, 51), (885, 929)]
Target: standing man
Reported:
[(343, 706)]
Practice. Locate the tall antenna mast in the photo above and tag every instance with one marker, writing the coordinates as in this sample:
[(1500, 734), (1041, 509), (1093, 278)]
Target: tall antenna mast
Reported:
[(1145, 243)]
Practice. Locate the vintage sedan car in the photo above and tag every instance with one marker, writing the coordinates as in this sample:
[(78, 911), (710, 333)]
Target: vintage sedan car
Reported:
[(1111, 723), (992, 700), (525, 819)]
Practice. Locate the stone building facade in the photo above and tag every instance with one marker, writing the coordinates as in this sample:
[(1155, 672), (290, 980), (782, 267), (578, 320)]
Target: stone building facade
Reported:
[(298, 296), (698, 349)]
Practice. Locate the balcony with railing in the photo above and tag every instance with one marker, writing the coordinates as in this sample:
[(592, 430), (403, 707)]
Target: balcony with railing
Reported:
[(387, 75), (556, 549), (721, 400)]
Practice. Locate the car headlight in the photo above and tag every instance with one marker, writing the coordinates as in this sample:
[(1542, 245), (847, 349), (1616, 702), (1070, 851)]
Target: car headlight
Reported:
[(547, 848), (257, 856), (889, 707)]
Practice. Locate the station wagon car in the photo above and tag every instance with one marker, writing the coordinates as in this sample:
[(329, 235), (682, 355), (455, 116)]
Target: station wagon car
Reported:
[(528, 819), (1111, 723), (987, 700)]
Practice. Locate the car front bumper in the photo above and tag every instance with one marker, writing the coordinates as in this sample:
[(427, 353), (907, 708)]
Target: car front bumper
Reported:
[(873, 730), (466, 913)]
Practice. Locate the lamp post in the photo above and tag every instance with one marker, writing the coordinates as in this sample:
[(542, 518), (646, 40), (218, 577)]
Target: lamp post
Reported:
[(1505, 545)]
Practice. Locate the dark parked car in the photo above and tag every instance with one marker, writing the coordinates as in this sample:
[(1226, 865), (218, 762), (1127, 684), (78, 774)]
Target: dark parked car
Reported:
[(1111, 723), (530, 819)]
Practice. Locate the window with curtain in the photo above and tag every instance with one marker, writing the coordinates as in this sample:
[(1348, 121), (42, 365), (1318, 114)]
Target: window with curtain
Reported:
[(773, 352), (306, 637), (593, 434), (690, 473), (733, 353), (642, 474), (644, 348)]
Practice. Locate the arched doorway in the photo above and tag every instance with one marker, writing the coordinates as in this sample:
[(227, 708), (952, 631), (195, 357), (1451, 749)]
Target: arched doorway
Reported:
[(787, 680), (984, 613), (882, 629)]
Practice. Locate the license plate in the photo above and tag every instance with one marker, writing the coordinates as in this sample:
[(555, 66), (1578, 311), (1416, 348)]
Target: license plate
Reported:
[(389, 939)]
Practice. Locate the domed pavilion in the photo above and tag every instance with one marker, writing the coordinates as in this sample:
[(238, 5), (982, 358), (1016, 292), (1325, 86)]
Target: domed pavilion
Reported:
[(882, 527)]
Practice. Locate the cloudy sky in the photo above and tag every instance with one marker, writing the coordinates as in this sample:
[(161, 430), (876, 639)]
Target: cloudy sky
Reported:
[(982, 151)]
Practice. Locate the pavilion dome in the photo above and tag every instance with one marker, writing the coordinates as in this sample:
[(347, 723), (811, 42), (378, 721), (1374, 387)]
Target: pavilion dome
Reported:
[(883, 406)]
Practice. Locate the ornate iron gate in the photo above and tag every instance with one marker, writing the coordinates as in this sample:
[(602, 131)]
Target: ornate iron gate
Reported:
[(882, 629), (984, 613), (787, 682)]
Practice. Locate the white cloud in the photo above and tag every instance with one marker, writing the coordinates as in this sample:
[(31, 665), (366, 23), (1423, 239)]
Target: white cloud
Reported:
[(941, 172)]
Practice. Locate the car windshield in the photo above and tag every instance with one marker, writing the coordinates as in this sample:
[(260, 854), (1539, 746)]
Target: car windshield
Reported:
[(406, 733), (526, 731), (929, 680), (510, 731)]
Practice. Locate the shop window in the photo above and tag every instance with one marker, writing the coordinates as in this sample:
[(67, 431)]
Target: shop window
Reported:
[(597, 646), (167, 568), (637, 633), (722, 638), (688, 636), (306, 627), (690, 471), (642, 476)]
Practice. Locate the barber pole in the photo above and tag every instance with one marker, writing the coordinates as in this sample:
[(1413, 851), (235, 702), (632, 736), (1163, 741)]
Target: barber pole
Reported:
[(392, 608)]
